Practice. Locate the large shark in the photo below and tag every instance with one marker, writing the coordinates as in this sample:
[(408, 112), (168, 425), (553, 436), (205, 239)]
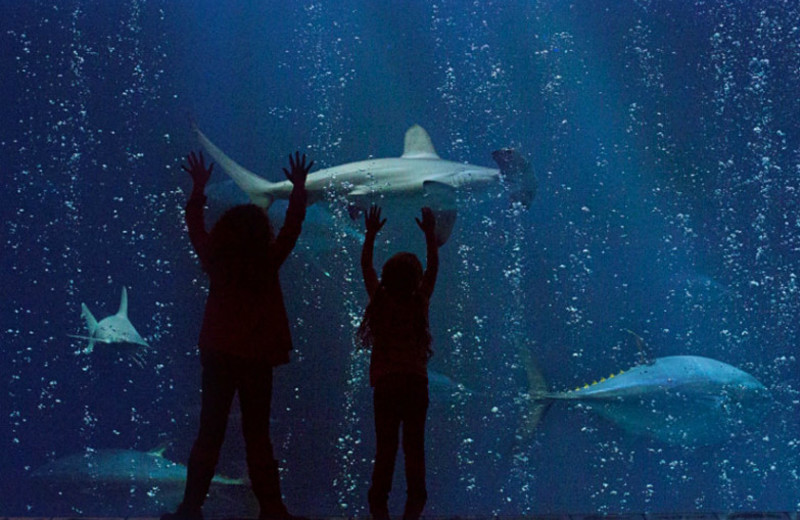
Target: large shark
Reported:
[(417, 178), (115, 330), (323, 234), (676, 399)]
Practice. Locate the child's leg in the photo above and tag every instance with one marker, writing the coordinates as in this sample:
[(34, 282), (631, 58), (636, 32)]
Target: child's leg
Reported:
[(387, 425), (416, 408), (255, 398), (218, 391)]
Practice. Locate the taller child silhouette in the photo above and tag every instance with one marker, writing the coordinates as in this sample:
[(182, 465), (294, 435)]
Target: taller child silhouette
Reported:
[(245, 333)]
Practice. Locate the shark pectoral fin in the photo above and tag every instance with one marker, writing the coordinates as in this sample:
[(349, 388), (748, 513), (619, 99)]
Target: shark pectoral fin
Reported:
[(90, 339), (91, 322), (517, 174), (438, 195), (441, 198), (445, 220), (361, 191)]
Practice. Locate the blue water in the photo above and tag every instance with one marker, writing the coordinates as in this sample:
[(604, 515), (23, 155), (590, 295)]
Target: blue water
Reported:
[(666, 140)]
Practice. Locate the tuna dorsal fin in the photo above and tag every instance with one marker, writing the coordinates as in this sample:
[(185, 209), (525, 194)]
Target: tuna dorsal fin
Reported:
[(597, 382), (418, 144), (123, 303), (641, 346)]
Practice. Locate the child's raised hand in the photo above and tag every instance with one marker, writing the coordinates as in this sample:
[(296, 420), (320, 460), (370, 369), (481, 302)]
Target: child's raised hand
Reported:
[(428, 222), (197, 169), (372, 220), (299, 169)]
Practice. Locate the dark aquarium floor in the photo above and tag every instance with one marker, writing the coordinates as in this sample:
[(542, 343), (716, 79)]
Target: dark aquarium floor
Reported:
[(747, 515)]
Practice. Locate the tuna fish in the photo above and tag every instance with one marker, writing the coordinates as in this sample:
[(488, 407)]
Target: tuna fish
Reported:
[(676, 399)]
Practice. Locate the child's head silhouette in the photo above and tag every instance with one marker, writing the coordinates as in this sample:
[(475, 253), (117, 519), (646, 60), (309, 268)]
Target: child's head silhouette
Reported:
[(398, 303), (401, 274), (238, 244)]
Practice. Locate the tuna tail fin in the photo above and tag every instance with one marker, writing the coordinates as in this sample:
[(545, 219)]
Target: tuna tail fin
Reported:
[(538, 401), (257, 188), (517, 173)]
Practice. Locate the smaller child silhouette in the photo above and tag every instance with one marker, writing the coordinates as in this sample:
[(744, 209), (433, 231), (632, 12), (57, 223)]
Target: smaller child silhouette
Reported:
[(395, 326)]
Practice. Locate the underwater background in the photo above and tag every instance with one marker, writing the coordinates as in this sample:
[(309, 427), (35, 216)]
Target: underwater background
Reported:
[(665, 137)]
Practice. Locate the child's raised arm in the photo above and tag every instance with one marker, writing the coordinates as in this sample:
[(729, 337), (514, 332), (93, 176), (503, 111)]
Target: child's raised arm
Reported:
[(428, 225), (373, 223), (194, 207), (295, 212)]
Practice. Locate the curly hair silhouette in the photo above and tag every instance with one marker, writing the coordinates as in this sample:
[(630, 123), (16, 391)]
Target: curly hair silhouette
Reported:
[(238, 247)]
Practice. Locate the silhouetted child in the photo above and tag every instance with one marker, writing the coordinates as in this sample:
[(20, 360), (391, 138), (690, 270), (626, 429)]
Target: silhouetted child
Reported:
[(395, 327), (245, 333)]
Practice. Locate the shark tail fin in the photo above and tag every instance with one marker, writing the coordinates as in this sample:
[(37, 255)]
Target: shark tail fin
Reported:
[(257, 188), (537, 401), (517, 173)]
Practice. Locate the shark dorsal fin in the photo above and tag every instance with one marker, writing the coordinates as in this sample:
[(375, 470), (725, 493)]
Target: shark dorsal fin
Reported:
[(418, 144), (123, 303), (159, 450)]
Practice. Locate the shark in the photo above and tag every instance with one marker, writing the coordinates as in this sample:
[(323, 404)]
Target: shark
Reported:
[(684, 399), (445, 386), (120, 466), (419, 177), (323, 233), (115, 329), (121, 473)]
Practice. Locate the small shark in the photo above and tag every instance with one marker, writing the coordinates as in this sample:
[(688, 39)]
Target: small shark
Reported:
[(676, 399), (116, 329), (120, 473), (118, 466), (444, 385), (417, 178)]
